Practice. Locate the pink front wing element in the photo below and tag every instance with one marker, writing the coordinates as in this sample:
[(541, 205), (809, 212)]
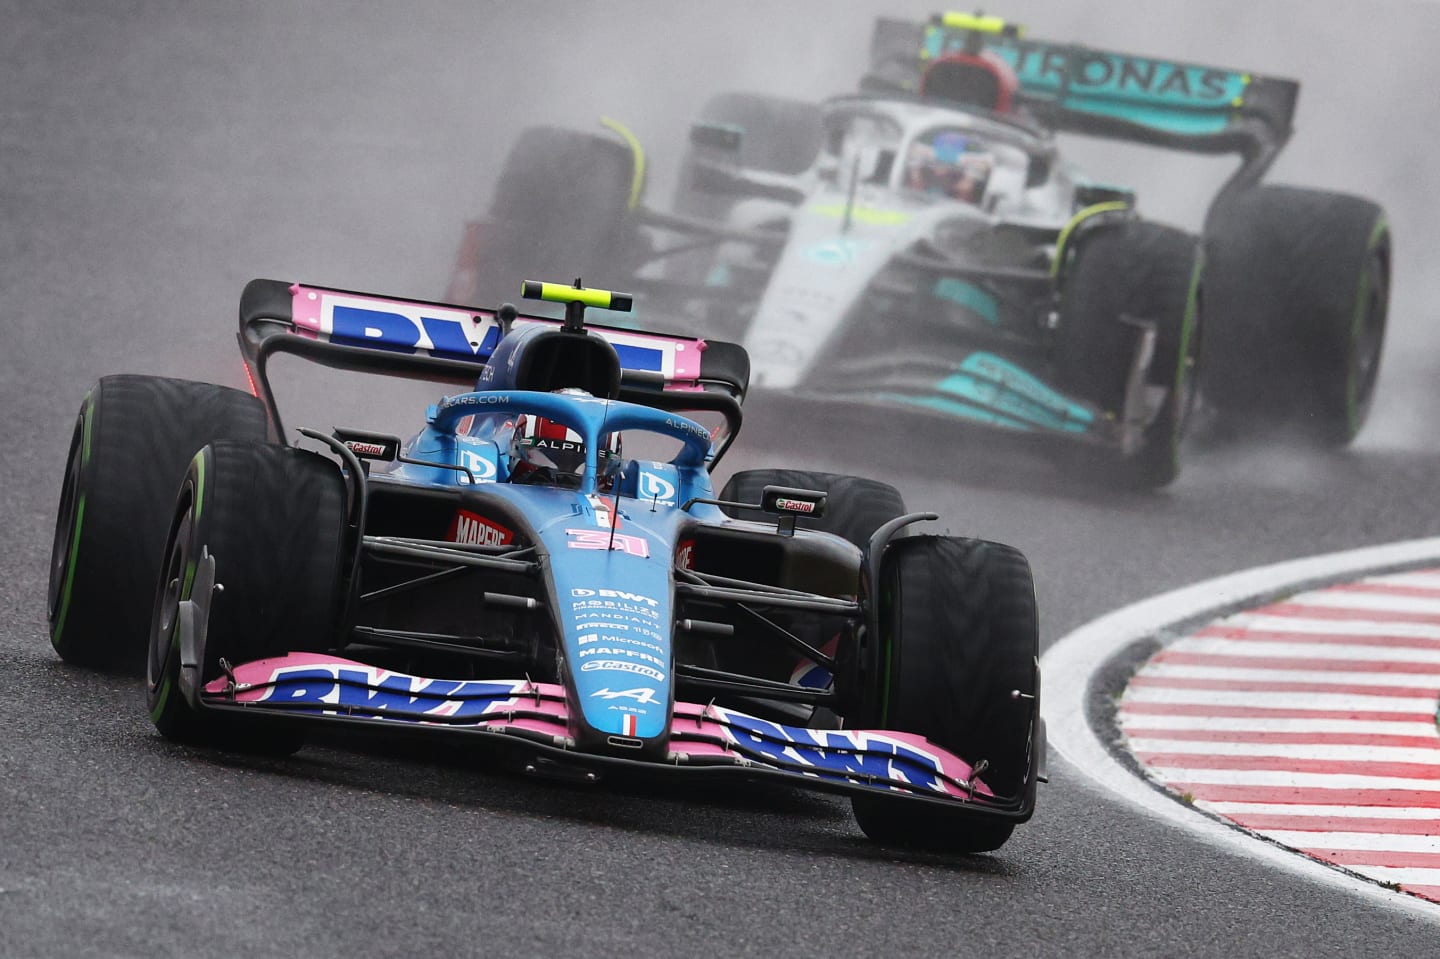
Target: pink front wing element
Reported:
[(716, 731), (703, 735)]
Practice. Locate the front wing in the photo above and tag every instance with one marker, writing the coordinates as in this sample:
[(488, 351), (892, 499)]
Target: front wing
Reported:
[(535, 715)]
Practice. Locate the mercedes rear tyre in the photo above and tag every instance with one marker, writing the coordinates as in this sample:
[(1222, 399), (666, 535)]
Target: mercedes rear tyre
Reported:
[(271, 519), (1299, 291), (560, 209), (128, 452), (958, 664)]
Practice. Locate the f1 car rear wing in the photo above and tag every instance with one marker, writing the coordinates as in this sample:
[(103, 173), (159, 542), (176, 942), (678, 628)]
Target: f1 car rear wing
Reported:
[(1079, 89), (418, 339)]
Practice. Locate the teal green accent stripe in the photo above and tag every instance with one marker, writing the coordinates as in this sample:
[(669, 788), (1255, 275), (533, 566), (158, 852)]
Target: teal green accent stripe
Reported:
[(959, 409), (968, 295), (1010, 391)]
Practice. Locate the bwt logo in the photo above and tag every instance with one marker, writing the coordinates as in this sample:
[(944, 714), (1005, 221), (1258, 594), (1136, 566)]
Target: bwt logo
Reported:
[(613, 594), (411, 331), (479, 465), (656, 489)]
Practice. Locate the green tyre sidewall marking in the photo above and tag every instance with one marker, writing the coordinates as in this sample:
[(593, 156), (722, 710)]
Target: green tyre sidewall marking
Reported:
[(86, 418), (1357, 323), (170, 666)]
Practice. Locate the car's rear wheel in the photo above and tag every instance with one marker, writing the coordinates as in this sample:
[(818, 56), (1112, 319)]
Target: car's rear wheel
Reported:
[(130, 446), (560, 211), (271, 518), (957, 663), (1299, 289), (1123, 275)]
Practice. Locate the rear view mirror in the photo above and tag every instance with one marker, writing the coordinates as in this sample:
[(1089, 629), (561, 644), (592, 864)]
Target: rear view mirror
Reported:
[(717, 136)]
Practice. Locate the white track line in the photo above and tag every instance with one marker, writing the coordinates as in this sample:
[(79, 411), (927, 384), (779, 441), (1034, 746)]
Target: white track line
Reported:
[(1226, 697), (1275, 675), (1332, 627), (1376, 602), (1354, 754), (1215, 646), (1299, 809), (1069, 664), (1151, 722)]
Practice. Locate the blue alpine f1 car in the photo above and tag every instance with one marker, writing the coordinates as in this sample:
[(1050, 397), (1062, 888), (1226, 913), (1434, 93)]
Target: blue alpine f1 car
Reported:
[(515, 571), (925, 245)]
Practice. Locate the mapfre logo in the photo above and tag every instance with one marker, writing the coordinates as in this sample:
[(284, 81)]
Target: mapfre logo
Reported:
[(477, 530)]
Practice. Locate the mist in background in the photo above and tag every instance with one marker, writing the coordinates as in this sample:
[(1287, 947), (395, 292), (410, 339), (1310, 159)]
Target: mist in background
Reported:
[(348, 150)]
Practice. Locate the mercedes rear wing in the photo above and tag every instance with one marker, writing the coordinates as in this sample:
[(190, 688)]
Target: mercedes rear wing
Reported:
[(1077, 89), (437, 342)]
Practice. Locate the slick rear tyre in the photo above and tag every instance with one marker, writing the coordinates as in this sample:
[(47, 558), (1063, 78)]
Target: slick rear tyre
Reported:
[(1122, 274), (560, 211), (855, 507), (129, 449), (1300, 284), (957, 662), (272, 518)]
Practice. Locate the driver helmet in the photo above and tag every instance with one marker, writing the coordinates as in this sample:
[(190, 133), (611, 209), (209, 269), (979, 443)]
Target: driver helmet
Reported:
[(952, 164), (548, 452)]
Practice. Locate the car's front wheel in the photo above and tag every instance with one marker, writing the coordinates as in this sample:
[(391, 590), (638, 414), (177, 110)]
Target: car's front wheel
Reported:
[(271, 520), (957, 663)]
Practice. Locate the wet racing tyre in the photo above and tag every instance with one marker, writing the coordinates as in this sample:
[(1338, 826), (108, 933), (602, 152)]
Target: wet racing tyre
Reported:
[(1299, 292), (854, 508), (957, 664), (1121, 275), (129, 449), (560, 210), (272, 519)]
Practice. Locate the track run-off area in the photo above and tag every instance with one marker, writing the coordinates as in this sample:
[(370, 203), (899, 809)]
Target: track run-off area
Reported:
[(1302, 715)]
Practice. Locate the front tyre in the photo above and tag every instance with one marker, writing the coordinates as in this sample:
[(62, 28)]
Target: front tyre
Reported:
[(1121, 276), (272, 518), (130, 446), (957, 664)]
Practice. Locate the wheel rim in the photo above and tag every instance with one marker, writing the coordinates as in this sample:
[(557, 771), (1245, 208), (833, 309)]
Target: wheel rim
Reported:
[(174, 584), (62, 549)]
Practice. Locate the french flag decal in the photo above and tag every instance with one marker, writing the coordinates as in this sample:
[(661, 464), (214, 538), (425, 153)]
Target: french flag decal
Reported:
[(627, 724)]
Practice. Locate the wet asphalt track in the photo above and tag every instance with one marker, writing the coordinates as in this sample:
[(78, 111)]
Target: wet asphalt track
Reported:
[(156, 155)]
